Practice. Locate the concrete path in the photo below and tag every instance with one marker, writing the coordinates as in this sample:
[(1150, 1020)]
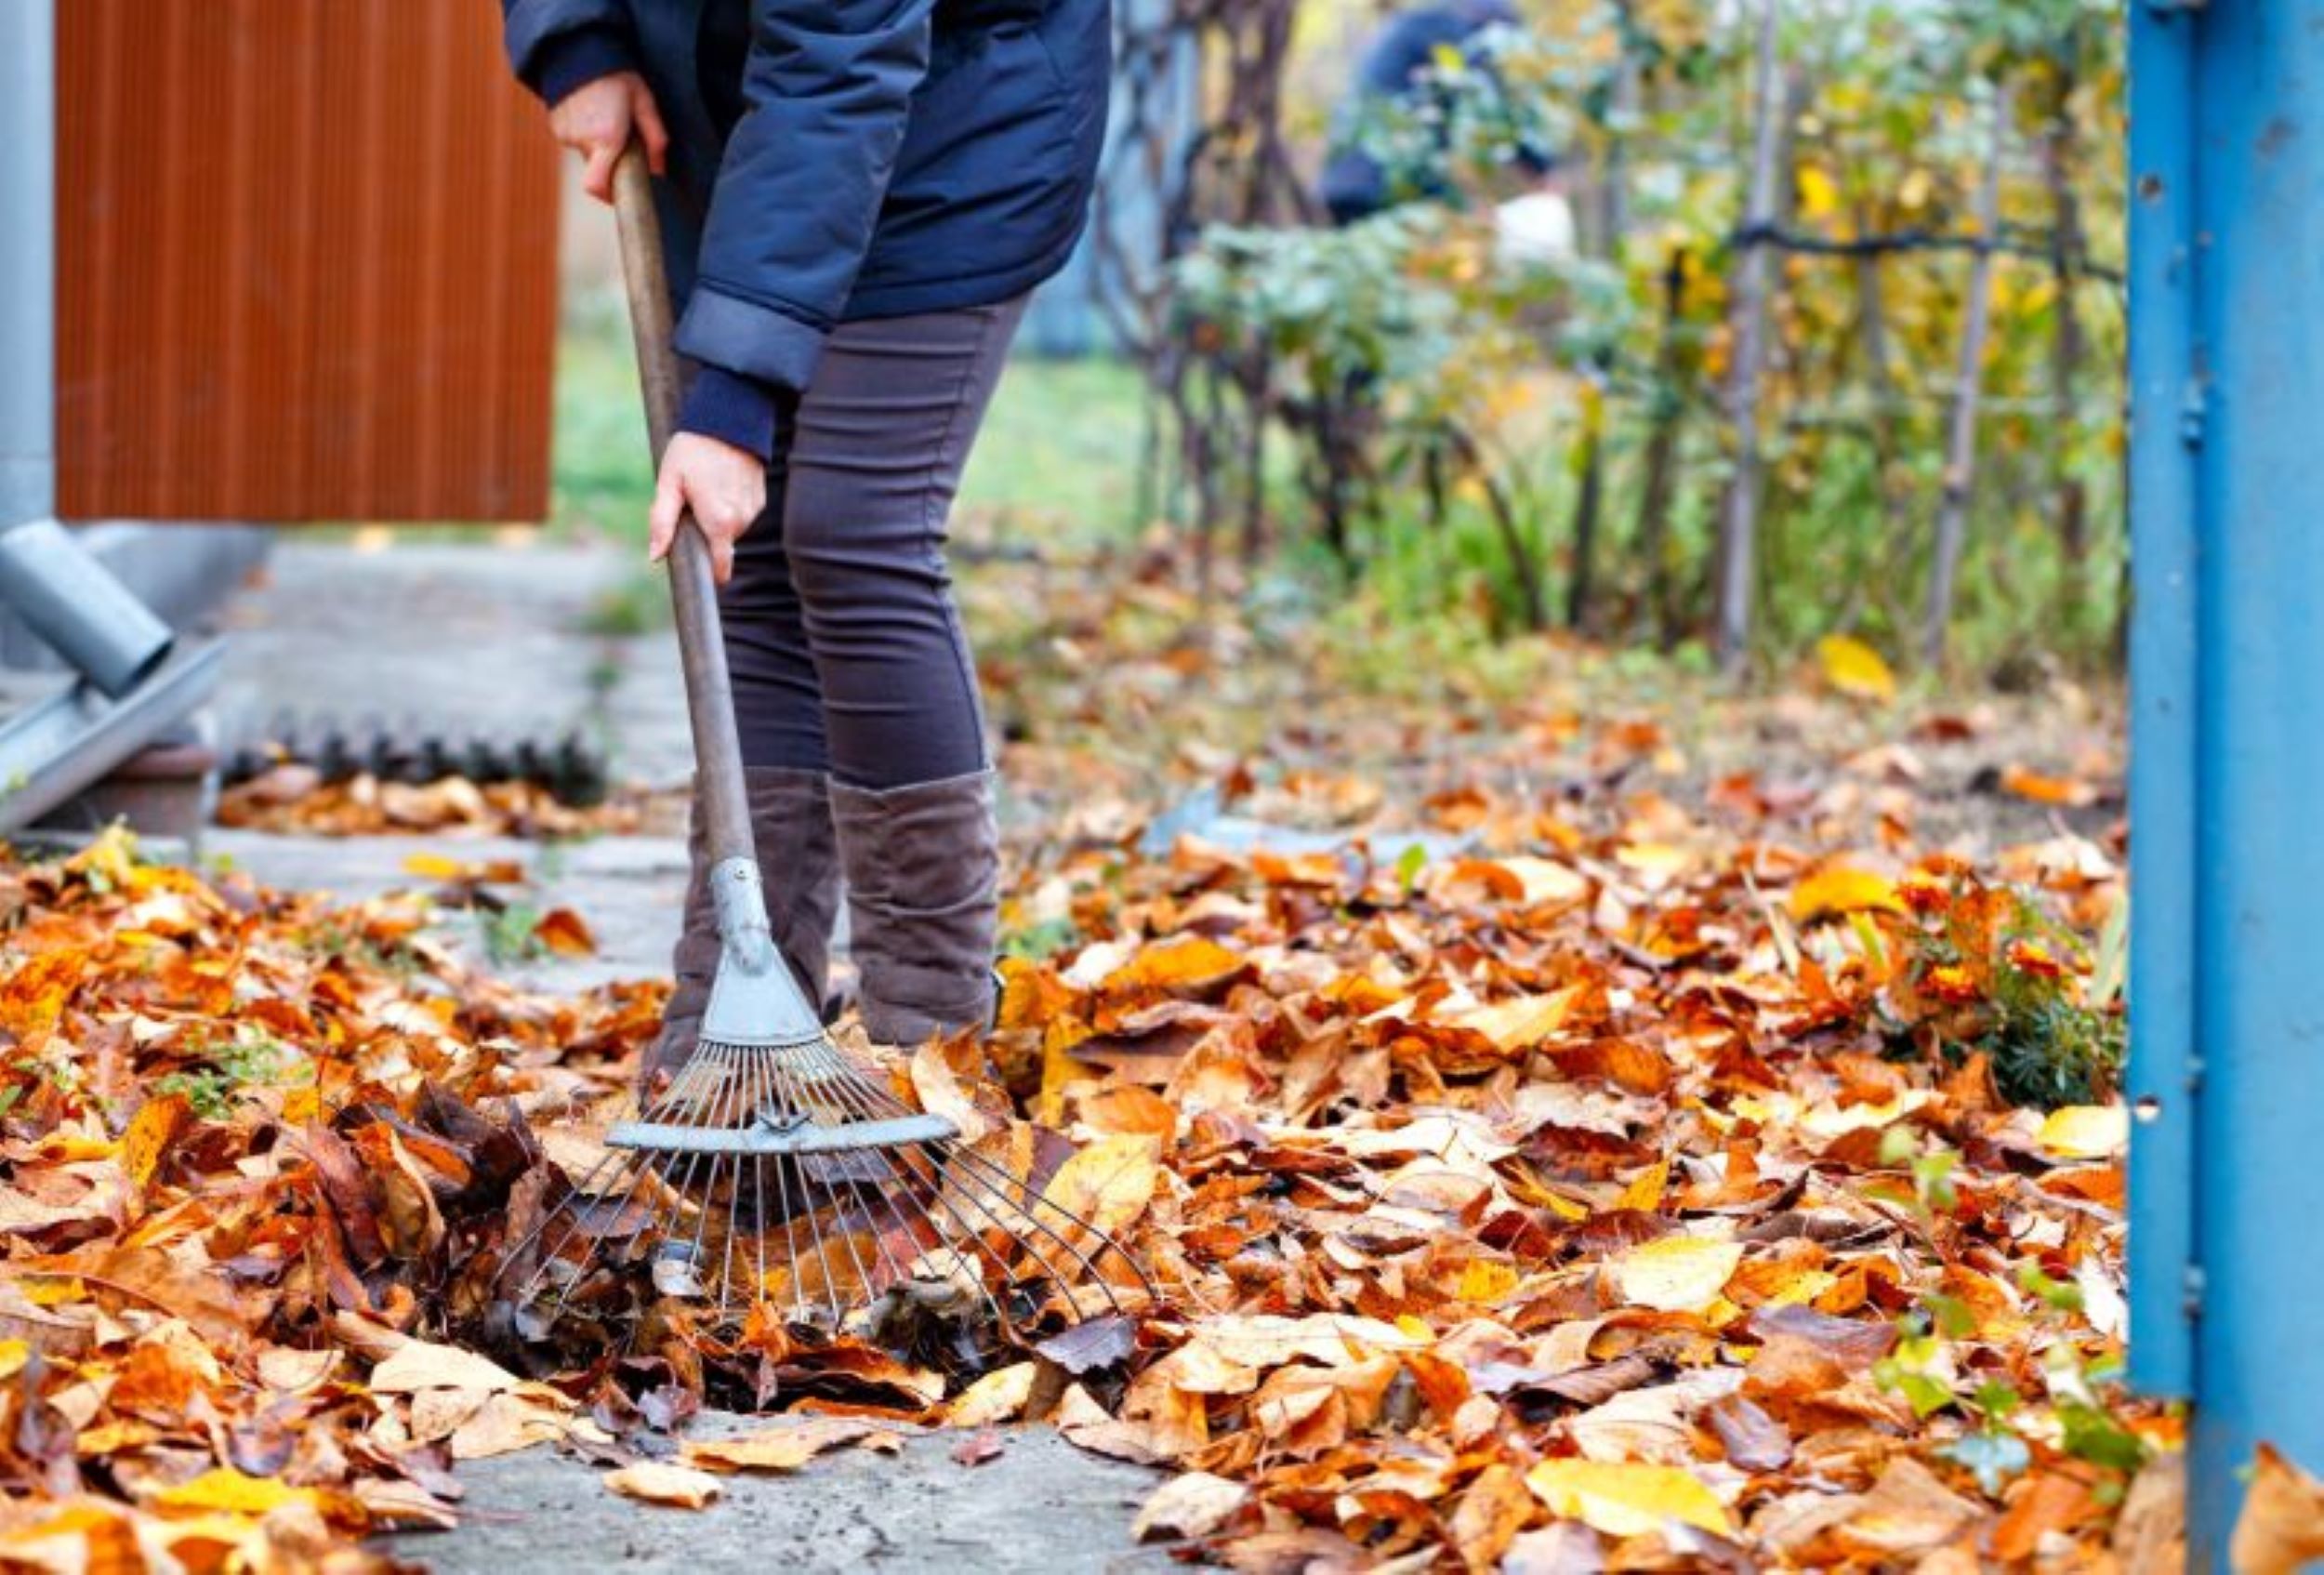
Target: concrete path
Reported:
[(1040, 1505), (467, 638)]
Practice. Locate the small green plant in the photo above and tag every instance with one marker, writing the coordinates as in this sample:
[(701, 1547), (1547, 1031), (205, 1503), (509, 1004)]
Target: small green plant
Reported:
[(1046, 939), (1982, 970), (335, 938), (223, 1071), (2073, 1415), (512, 934), (638, 605)]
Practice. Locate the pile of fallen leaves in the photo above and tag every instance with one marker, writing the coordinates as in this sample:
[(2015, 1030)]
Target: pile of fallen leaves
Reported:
[(1644, 1203), (230, 1124), (1631, 1201), (297, 800)]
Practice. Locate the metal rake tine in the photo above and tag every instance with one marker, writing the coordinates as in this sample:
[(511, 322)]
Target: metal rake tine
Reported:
[(862, 1276), (1028, 1210), (946, 1240), (738, 1087), (961, 1154), (937, 1156), (823, 1258), (787, 1076), (589, 1186), (658, 1174)]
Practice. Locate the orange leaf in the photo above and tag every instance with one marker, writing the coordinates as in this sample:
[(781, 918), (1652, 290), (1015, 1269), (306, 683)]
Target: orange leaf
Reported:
[(562, 931), (2282, 1524), (151, 1131), (2061, 791)]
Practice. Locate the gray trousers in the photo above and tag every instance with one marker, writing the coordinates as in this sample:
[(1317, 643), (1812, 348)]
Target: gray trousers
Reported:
[(848, 654)]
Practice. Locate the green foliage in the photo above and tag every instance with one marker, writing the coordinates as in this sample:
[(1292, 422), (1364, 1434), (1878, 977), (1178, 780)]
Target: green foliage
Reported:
[(222, 1071), (1983, 971), (1461, 410), (512, 934), (2074, 1415)]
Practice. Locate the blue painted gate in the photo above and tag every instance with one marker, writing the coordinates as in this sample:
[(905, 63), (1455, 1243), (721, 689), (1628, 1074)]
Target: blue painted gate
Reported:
[(2227, 758)]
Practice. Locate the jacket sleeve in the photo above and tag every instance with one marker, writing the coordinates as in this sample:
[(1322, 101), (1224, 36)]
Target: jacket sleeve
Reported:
[(556, 46), (828, 86)]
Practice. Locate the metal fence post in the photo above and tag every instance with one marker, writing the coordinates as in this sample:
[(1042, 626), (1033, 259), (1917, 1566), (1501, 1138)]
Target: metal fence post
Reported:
[(2227, 373), (27, 281)]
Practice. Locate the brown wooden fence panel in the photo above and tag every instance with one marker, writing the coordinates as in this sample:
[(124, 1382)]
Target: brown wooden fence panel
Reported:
[(306, 263)]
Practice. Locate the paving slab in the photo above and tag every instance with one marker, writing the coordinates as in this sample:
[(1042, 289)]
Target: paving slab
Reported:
[(1039, 1506), (501, 637)]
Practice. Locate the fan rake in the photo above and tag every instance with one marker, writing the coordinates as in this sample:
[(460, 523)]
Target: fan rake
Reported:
[(773, 1177)]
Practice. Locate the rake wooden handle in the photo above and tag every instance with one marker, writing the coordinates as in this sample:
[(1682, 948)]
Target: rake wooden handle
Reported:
[(720, 790)]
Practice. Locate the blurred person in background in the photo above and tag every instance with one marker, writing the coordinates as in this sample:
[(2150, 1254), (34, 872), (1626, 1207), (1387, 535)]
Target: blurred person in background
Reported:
[(856, 198), (1403, 76)]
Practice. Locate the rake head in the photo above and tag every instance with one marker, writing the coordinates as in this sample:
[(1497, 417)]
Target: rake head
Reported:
[(775, 1180)]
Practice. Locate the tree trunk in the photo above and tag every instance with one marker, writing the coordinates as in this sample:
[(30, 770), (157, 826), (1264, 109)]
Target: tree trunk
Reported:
[(1961, 463), (1658, 486), (1581, 590), (2065, 358), (1253, 378), (1738, 525), (1531, 593)]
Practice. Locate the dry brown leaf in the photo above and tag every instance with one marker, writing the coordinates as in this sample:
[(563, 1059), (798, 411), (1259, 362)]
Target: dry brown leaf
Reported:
[(1192, 1505), (2281, 1528), (658, 1482), (785, 1447)]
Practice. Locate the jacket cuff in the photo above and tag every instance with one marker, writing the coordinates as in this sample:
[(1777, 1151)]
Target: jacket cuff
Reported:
[(568, 61), (732, 408), (760, 341)]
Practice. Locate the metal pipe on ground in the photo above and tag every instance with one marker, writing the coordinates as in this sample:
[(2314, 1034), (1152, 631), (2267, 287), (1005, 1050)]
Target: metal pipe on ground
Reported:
[(73, 602)]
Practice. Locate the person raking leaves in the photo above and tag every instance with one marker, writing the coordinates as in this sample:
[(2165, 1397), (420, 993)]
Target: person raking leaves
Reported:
[(856, 198)]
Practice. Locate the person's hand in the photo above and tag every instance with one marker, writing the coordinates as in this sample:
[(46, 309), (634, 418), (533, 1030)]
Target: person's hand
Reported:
[(596, 119), (724, 486)]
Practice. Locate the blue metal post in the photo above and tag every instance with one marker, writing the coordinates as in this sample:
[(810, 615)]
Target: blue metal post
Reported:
[(28, 287), (2166, 418), (2228, 374)]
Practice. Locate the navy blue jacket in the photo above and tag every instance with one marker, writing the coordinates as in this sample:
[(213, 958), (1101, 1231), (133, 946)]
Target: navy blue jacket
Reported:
[(836, 160)]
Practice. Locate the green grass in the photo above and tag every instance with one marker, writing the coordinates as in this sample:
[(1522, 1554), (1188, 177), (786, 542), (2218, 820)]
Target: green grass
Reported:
[(1055, 466)]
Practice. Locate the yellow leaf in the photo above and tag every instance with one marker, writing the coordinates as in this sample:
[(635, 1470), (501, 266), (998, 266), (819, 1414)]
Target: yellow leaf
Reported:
[(657, 1482), (997, 1397), (1109, 1183), (1644, 1192), (1853, 668), (14, 1354), (224, 1490), (1837, 888), (1520, 1023), (1192, 1505), (1542, 881), (52, 1291), (1059, 1071), (435, 866), (1819, 193), (1486, 1282), (151, 1131), (2086, 1132), (422, 1364), (1627, 1500), (1677, 1274)]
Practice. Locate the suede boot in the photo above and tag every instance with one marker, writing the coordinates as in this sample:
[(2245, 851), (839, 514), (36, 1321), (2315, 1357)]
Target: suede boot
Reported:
[(923, 885), (790, 821)]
